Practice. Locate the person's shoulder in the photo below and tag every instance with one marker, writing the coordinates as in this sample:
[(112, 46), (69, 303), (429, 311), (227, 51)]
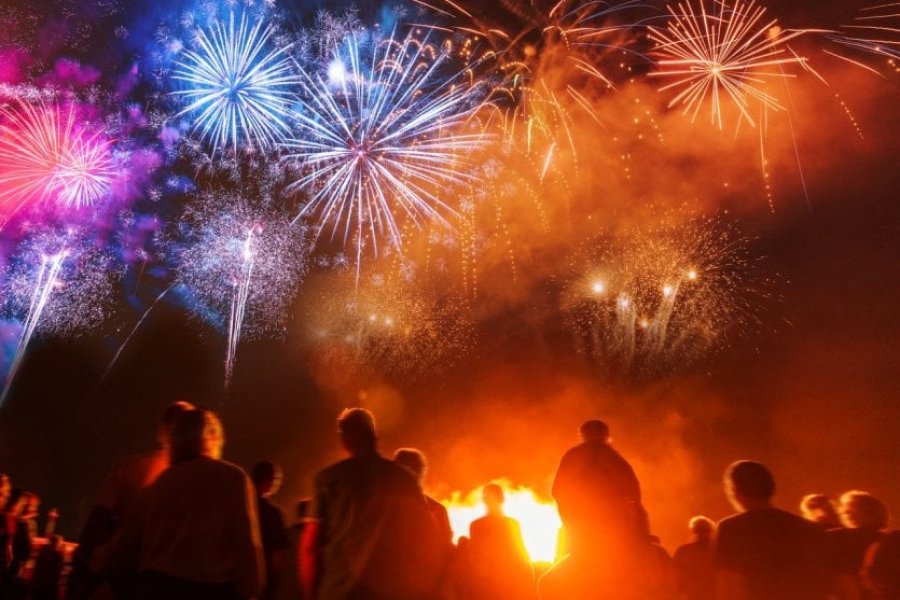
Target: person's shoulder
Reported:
[(731, 521)]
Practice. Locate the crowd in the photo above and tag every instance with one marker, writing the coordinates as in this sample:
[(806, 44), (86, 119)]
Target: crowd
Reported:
[(180, 523)]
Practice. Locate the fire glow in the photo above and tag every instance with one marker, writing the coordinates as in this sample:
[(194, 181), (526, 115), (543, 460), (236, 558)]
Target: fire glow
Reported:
[(537, 517)]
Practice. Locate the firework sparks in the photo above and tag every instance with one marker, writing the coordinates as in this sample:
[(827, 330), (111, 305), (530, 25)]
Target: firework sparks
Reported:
[(655, 302), (875, 30), (44, 155), (241, 266), (236, 85), (382, 135), (728, 52), (56, 284)]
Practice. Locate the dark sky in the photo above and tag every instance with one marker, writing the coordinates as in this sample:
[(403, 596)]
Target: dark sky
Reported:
[(813, 391)]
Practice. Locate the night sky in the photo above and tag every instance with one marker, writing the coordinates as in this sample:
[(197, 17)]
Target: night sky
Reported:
[(812, 388)]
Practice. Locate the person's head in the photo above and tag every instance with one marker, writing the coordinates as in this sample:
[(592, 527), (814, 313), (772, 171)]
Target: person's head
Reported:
[(862, 510), (167, 420), (702, 527), (749, 484), (413, 461), (493, 497), (55, 543), (266, 477), (198, 433), (356, 426), (819, 508), (16, 501), (594, 431)]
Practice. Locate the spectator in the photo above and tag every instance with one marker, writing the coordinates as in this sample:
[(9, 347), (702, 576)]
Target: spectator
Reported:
[(500, 567), (865, 519), (597, 492), (694, 562), (763, 553), (819, 509), (415, 462), (371, 532), (193, 534), (267, 478), (121, 487)]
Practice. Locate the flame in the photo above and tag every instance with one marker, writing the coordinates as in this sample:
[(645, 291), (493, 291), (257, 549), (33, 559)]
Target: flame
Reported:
[(537, 517)]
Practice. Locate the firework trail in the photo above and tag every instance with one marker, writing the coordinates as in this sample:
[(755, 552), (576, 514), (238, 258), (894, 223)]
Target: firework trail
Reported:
[(656, 301), (236, 85), (56, 284), (726, 52), (875, 30), (382, 136), (240, 265), (45, 282), (46, 156)]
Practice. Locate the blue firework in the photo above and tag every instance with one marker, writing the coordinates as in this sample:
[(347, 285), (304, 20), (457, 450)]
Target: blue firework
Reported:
[(236, 84), (383, 132)]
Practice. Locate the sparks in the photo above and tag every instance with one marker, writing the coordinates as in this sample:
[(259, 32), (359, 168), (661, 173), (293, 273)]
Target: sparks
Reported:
[(381, 138), (728, 52), (237, 86)]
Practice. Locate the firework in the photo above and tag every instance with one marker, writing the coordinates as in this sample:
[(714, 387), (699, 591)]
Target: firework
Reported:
[(875, 30), (57, 284), (391, 322), (382, 134), (45, 155), (240, 265), (727, 52), (236, 85), (656, 301)]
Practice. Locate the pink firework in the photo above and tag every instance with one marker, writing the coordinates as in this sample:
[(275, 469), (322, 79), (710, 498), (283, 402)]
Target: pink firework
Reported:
[(46, 156)]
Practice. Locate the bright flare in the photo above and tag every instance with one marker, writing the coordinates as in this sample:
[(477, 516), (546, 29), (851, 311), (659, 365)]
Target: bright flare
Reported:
[(538, 518), (45, 155), (236, 84)]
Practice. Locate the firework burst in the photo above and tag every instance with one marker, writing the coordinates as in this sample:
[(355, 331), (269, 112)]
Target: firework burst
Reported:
[(656, 301), (727, 52), (46, 156), (236, 85), (382, 136), (240, 266)]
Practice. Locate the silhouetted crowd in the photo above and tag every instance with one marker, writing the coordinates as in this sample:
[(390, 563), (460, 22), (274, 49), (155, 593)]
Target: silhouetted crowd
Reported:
[(180, 523)]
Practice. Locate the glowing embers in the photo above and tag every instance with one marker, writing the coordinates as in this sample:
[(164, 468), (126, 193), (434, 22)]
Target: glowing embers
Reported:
[(537, 517), (46, 155), (236, 84), (726, 53)]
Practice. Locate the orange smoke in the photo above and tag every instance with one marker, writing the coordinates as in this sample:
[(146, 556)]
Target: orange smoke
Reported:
[(537, 517)]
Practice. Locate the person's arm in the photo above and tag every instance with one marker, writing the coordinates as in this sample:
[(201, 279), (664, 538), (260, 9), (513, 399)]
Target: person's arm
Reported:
[(121, 555), (251, 573), (727, 557), (309, 557)]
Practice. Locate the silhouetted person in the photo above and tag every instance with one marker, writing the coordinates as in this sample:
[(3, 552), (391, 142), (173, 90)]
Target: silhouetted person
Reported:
[(865, 519), (881, 568), (597, 492), (193, 534), (763, 553), (267, 478), (119, 490), (819, 509), (416, 463), (371, 535), (290, 588), (48, 569), (694, 562), (500, 567)]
